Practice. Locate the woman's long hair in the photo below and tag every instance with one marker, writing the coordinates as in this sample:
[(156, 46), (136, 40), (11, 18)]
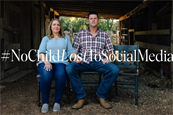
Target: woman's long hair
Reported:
[(50, 33)]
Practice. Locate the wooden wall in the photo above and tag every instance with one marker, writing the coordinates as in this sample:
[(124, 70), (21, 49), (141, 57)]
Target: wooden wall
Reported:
[(152, 30), (23, 24)]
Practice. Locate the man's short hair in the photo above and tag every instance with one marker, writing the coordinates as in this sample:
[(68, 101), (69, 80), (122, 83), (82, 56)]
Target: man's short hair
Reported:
[(93, 13)]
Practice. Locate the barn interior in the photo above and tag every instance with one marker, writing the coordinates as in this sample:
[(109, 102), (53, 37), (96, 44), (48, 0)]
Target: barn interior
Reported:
[(24, 23)]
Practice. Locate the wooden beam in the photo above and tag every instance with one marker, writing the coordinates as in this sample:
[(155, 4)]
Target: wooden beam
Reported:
[(51, 9), (85, 13), (111, 4), (88, 9), (56, 13), (135, 10), (153, 47), (94, 1), (131, 30), (171, 44), (154, 32)]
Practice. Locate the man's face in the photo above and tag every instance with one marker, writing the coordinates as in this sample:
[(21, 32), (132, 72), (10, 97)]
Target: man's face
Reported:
[(93, 20)]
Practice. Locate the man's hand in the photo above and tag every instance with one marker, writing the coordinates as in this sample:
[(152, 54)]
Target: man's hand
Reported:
[(105, 60), (78, 59)]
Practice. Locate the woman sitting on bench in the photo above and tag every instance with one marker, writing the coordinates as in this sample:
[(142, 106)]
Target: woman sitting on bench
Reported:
[(53, 52)]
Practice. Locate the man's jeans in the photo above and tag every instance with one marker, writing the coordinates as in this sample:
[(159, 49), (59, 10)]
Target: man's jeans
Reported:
[(46, 78), (111, 70)]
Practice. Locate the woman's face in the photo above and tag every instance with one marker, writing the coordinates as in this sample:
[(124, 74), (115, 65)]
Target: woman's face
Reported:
[(55, 26)]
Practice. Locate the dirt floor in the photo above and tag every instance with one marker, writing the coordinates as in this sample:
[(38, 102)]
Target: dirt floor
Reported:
[(21, 97)]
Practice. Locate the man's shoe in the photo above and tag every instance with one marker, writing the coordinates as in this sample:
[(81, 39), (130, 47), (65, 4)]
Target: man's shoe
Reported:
[(80, 103), (103, 103)]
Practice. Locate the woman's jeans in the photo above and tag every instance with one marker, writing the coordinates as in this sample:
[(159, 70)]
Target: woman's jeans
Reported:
[(46, 78), (109, 69)]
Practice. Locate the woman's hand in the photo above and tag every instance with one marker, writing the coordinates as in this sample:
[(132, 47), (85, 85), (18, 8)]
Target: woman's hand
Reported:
[(48, 66)]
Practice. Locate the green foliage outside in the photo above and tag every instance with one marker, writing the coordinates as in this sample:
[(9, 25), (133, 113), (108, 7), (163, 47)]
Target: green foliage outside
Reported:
[(79, 24)]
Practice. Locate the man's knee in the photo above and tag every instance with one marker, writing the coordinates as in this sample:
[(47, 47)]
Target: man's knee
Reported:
[(115, 69), (69, 68)]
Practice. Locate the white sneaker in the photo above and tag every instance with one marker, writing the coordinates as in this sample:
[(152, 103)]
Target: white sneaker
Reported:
[(56, 107), (45, 108)]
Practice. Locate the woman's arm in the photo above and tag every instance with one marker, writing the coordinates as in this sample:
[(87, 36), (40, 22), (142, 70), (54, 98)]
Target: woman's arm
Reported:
[(42, 56)]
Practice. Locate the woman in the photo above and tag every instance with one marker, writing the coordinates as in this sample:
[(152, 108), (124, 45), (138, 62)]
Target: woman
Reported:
[(53, 52)]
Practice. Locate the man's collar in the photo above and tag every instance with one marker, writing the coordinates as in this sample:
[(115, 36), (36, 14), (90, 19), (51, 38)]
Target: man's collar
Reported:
[(98, 30)]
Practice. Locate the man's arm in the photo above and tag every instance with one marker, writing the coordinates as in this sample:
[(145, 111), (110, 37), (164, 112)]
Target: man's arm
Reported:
[(76, 58)]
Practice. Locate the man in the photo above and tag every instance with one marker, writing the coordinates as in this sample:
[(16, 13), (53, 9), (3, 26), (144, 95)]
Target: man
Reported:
[(91, 44)]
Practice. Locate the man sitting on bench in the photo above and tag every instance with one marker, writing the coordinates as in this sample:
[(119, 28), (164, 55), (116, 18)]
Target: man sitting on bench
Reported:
[(91, 43)]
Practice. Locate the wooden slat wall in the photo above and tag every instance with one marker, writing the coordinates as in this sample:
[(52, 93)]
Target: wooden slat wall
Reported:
[(42, 19), (171, 44), (1, 8), (153, 31), (2, 63), (22, 27), (8, 25)]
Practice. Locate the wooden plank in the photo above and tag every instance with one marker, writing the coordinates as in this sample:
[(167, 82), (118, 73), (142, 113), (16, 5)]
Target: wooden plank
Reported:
[(9, 28), (0, 29), (153, 47), (11, 71), (26, 32), (42, 14), (2, 9), (18, 75), (12, 46), (13, 8), (46, 24), (171, 44), (154, 32), (16, 30), (131, 30), (2, 63), (6, 27)]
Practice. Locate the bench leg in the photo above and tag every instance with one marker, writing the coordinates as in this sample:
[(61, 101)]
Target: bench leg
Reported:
[(136, 90), (39, 94), (68, 90), (116, 89), (110, 94), (100, 75)]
